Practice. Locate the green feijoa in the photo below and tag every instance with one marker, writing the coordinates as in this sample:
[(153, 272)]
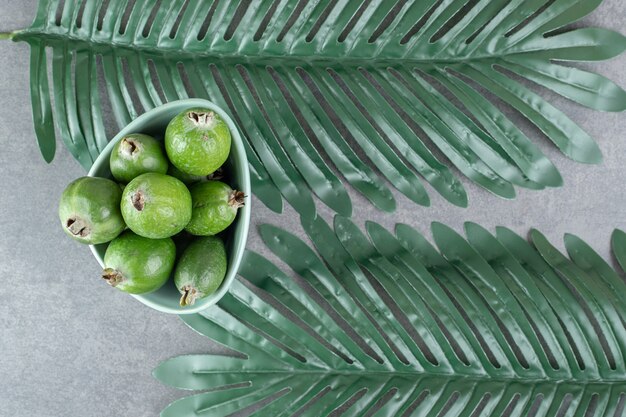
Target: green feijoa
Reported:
[(215, 207), (156, 205), (138, 265), (201, 269), (136, 154), (89, 210), (197, 141)]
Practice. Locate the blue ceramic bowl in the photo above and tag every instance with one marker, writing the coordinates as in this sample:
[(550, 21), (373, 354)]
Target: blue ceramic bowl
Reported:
[(154, 122)]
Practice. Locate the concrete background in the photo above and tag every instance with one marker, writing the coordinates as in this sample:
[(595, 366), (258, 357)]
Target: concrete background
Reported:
[(71, 346)]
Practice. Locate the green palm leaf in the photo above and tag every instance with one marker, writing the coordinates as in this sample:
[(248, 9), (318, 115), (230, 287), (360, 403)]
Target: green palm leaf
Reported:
[(390, 325), (367, 92)]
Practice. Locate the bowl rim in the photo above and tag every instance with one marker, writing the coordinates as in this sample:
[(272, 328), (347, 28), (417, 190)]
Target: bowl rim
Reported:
[(244, 215)]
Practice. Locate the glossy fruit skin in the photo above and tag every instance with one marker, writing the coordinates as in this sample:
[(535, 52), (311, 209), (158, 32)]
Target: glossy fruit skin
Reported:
[(136, 154), (156, 206), (89, 210), (197, 141), (213, 208), (144, 264), (202, 268)]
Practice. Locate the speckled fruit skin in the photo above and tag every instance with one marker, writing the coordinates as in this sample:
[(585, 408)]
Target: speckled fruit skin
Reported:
[(213, 210), (137, 154), (144, 264), (201, 268), (197, 141), (156, 205), (89, 210)]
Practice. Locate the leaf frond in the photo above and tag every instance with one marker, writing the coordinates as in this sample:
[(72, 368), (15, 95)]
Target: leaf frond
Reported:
[(372, 94), (383, 323)]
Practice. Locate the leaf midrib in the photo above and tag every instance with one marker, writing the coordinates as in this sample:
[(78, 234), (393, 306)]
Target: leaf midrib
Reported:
[(420, 375), (309, 59)]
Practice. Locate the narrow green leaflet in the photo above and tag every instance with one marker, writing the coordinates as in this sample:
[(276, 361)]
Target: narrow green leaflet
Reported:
[(387, 324), (369, 93)]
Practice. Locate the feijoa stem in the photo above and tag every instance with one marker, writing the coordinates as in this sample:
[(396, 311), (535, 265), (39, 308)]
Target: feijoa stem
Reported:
[(189, 296), (201, 119), (128, 147), (112, 276), (138, 200), (77, 226), (237, 199)]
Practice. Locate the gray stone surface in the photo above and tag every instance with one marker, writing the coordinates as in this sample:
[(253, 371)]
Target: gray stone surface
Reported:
[(70, 346)]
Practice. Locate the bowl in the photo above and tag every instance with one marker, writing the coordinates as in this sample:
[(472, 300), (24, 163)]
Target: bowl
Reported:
[(153, 123)]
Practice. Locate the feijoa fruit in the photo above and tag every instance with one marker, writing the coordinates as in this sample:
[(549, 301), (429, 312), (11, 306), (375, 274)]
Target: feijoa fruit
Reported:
[(89, 210), (156, 206), (137, 154), (138, 265), (201, 269), (197, 141), (215, 207)]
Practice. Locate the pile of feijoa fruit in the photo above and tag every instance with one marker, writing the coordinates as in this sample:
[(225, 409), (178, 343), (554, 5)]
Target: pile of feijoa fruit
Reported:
[(161, 192)]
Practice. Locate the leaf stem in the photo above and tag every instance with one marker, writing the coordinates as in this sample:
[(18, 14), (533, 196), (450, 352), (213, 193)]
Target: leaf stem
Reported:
[(8, 35)]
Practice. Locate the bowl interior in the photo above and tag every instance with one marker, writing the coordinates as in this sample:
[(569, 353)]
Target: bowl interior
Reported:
[(153, 123)]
